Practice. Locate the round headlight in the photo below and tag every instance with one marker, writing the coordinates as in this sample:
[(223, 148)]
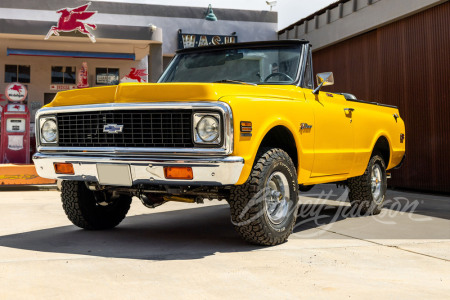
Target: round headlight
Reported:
[(208, 129), (49, 131)]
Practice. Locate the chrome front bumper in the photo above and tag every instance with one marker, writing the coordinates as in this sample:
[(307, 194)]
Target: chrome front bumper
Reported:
[(211, 171)]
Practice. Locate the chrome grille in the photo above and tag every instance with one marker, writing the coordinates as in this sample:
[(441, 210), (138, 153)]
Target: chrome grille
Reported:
[(141, 128)]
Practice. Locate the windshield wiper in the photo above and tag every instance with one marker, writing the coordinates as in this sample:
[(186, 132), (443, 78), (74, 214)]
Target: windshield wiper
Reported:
[(234, 81)]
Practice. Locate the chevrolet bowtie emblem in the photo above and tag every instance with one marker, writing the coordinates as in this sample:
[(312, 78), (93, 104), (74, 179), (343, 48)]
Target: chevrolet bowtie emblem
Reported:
[(112, 128)]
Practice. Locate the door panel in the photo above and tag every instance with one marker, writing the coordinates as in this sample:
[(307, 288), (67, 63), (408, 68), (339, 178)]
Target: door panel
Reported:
[(303, 114), (334, 138)]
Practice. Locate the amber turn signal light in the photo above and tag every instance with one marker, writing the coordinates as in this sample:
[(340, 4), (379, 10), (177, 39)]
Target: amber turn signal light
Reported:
[(178, 173), (246, 126), (64, 168)]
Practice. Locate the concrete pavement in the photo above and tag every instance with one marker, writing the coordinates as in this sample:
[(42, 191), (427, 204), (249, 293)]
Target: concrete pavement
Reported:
[(191, 251)]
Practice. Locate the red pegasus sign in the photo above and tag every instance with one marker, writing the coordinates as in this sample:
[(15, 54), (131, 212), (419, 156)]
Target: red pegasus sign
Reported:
[(72, 19), (16, 92), (136, 74), (16, 88)]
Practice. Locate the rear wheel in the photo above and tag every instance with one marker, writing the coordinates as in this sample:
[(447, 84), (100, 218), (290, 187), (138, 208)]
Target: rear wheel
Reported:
[(263, 210), (92, 210), (367, 192)]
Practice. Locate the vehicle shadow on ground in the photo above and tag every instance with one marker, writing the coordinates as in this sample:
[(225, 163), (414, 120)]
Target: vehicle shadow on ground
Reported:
[(175, 235), (187, 234), (404, 216)]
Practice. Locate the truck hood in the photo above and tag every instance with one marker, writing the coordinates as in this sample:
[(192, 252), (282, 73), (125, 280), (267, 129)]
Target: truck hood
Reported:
[(166, 92)]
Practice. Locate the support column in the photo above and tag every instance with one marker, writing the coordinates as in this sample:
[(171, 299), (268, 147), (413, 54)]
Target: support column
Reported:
[(155, 62)]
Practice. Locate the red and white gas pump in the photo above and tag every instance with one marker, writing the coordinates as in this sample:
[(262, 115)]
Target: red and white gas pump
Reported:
[(15, 127)]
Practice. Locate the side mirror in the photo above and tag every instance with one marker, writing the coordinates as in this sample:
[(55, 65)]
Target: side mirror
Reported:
[(323, 79)]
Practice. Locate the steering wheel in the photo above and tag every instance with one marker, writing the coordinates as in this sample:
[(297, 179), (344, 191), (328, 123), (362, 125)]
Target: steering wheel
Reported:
[(278, 74)]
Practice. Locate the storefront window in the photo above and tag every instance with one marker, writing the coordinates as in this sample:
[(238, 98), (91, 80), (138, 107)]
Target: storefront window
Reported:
[(106, 76), (16, 73), (63, 75)]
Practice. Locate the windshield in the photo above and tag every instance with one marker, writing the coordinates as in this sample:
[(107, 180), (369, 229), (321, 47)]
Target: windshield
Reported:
[(274, 65)]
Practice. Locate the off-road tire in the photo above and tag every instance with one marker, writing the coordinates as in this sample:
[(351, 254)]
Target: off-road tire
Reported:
[(81, 207), (248, 216), (360, 190)]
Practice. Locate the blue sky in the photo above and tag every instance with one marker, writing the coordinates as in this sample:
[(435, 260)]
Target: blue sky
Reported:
[(289, 11)]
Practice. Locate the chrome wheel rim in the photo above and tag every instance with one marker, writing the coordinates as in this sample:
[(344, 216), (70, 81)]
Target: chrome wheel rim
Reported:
[(376, 182), (277, 198)]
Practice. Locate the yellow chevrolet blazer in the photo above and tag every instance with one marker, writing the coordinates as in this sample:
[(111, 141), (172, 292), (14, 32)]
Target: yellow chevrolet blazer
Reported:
[(242, 122)]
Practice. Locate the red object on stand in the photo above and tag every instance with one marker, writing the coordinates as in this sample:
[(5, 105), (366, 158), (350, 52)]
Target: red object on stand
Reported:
[(83, 76), (15, 138)]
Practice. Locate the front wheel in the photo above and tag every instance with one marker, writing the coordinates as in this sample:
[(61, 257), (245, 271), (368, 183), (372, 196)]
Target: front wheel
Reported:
[(367, 192), (92, 210), (263, 210)]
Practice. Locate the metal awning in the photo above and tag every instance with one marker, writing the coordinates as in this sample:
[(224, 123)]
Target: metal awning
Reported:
[(75, 54)]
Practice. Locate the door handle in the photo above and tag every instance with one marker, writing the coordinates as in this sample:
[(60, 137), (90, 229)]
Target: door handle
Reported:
[(396, 116), (348, 110)]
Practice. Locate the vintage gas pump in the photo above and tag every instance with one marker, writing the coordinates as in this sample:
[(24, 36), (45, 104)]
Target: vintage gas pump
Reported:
[(15, 127)]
